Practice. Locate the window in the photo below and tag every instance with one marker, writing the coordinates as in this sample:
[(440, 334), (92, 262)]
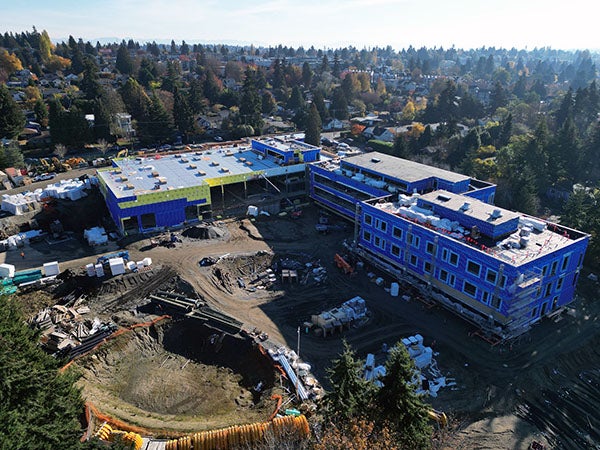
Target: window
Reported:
[(453, 259), (414, 260), (429, 248), (380, 243), (559, 283), (470, 289), (503, 281), (397, 232), (395, 250), (575, 278), (368, 219), (580, 260), (473, 268), (416, 241), (427, 267), (547, 291), (544, 270), (565, 263), (445, 254), (496, 302), (452, 280), (534, 312), (444, 276), (381, 225), (491, 276), (367, 236), (485, 297), (553, 269)]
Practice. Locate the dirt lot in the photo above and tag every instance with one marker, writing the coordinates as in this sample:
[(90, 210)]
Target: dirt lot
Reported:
[(545, 386)]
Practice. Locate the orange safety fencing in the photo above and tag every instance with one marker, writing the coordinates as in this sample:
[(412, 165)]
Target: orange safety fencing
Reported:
[(112, 336), (243, 435)]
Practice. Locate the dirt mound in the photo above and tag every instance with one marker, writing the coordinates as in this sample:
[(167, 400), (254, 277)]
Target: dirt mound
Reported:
[(203, 232), (181, 377)]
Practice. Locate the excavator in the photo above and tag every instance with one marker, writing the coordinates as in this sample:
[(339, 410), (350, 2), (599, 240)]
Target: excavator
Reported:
[(60, 166), (122, 153)]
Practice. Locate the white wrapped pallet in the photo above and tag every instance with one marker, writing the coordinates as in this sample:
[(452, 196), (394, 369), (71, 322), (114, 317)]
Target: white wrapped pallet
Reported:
[(91, 271), (147, 261), (140, 265), (131, 265), (117, 266), (99, 270), (51, 268), (7, 271)]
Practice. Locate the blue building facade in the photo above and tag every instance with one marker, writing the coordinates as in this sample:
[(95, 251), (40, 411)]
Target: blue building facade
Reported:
[(499, 269)]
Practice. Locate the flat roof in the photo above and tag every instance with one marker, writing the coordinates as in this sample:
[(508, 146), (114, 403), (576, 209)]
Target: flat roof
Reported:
[(477, 209), (178, 171), (402, 169), (287, 143)]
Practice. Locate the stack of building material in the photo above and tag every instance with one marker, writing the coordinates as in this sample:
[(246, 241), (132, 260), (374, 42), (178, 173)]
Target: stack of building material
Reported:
[(147, 261), (51, 269), (7, 271), (99, 270), (91, 270), (72, 189), (131, 266), (18, 204), (95, 236), (117, 266)]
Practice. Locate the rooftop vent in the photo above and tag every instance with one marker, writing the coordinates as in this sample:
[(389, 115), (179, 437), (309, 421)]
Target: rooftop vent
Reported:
[(214, 163), (229, 153), (201, 173), (443, 198), (184, 160), (242, 160), (224, 169), (375, 160), (154, 173), (466, 206), (496, 213), (248, 163), (123, 178), (129, 186), (162, 180), (192, 166)]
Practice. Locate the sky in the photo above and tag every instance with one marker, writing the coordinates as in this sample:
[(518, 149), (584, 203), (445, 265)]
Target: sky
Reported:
[(523, 24)]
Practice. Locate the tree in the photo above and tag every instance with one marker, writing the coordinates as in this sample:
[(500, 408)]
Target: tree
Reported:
[(135, 98), (356, 434), (45, 46), (313, 127), (269, 104), (296, 100), (12, 119), (12, 156), (398, 403), (124, 63), (103, 146), (183, 115), (157, 125), (60, 150), (307, 75), (41, 112), (89, 84), (9, 62), (39, 407), (351, 394), (319, 101), (339, 104), (251, 104)]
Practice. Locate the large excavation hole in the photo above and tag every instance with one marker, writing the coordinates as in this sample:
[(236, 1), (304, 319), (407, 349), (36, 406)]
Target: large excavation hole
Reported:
[(180, 375)]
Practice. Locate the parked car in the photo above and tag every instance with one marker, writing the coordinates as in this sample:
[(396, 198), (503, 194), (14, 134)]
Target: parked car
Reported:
[(44, 177), (218, 138)]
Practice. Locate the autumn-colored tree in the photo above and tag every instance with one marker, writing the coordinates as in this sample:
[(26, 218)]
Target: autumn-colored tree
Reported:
[(356, 434), (9, 62)]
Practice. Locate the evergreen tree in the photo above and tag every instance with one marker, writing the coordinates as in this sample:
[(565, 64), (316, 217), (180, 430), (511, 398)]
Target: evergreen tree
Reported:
[(211, 87), (325, 64), (40, 407), (41, 112), (157, 125), (196, 96), (124, 63), (351, 394), (336, 65), (148, 72), (89, 84), (135, 98), (339, 104), (183, 116), (296, 100), (319, 102), (12, 156), (400, 405), (565, 109), (251, 105), (12, 119), (400, 149), (313, 127), (520, 88), (498, 97), (307, 75), (269, 104)]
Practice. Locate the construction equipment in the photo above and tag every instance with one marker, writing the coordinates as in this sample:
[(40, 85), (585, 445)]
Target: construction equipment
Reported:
[(76, 162), (128, 439), (439, 416), (122, 153), (47, 166), (343, 264), (60, 166)]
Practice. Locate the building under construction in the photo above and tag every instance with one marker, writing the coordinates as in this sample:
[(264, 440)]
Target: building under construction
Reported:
[(439, 231), (153, 193)]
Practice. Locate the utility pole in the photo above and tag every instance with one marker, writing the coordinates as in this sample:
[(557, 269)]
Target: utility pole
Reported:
[(298, 352)]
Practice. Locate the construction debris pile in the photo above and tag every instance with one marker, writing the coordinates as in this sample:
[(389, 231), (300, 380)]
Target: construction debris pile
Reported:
[(71, 189), (351, 312), (203, 232), (428, 379), (298, 373), (67, 332)]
